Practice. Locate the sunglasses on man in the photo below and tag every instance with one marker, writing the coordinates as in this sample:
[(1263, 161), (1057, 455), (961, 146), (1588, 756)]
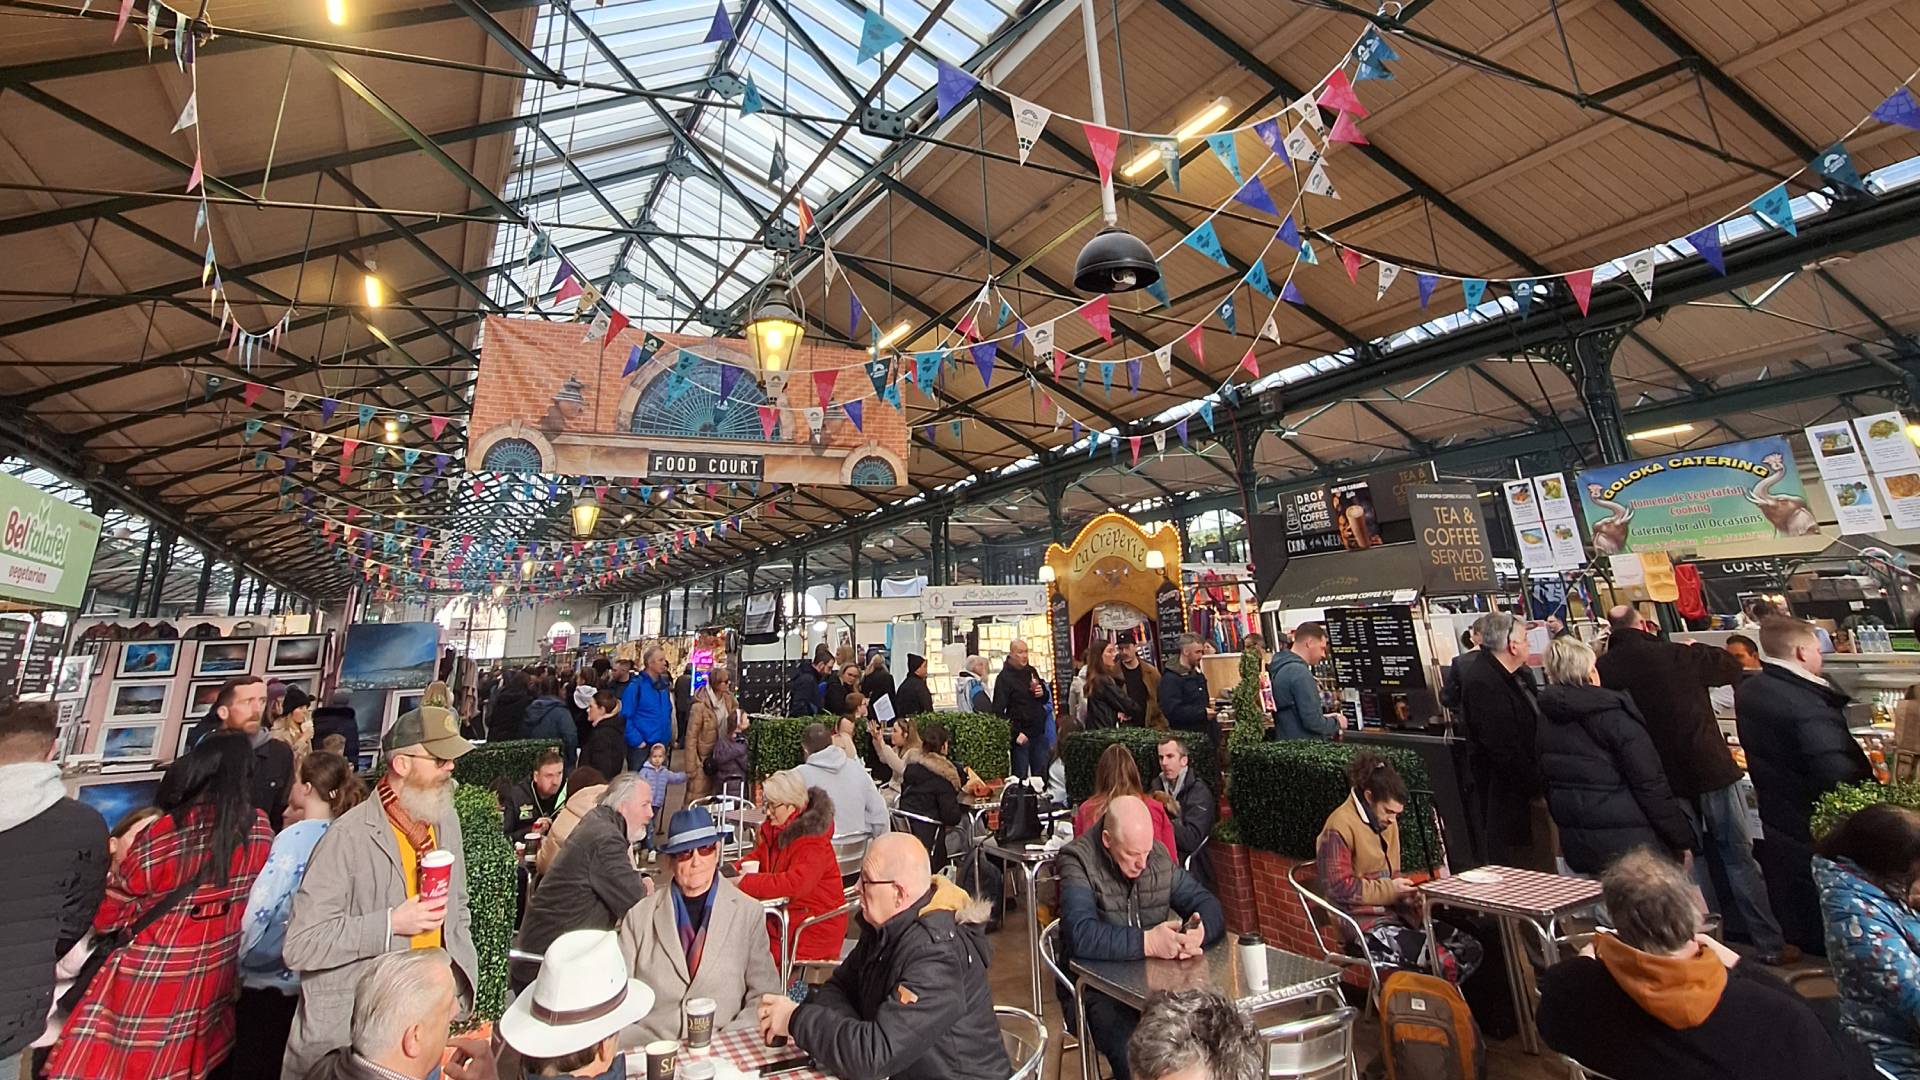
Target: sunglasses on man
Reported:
[(703, 850)]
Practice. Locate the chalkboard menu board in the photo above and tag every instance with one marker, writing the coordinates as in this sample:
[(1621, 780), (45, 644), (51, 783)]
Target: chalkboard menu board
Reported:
[(13, 649), (1375, 647), (37, 674), (1171, 618), (1062, 646)]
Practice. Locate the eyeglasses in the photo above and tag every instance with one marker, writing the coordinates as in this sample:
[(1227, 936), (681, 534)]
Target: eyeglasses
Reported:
[(866, 881), (704, 850)]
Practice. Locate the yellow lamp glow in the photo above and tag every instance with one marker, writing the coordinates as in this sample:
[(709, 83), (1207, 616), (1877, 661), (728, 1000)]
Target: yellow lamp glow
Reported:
[(376, 293), (337, 12), (586, 514), (775, 331)]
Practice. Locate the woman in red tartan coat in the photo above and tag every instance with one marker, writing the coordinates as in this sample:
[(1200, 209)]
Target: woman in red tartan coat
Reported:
[(797, 861), (161, 1008)]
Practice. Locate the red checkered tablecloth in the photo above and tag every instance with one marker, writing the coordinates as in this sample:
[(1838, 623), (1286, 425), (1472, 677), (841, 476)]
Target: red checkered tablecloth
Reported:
[(1518, 892), (744, 1051)]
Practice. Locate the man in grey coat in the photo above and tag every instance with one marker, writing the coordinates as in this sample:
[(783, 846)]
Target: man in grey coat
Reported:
[(360, 897), (858, 809)]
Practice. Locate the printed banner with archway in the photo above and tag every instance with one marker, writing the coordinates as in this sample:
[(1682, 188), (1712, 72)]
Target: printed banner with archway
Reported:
[(669, 409)]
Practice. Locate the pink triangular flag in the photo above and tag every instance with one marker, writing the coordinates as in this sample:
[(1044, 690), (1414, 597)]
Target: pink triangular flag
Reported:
[(348, 446), (1250, 365), (965, 327), (1580, 284), (1196, 340), (1059, 361), (1339, 96), (1344, 130), (569, 289), (198, 175), (436, 425), (120, 25), (616, 322), (251, 394), (823, 384), (599, 494), (1133, 443), (1099, 316), (768, 417), (1352, 260), (1103, 141)]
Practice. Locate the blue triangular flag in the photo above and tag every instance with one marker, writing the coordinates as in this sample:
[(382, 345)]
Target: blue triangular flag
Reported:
[(1206, 413), (1290, 233), (954, 427), (1158, 290), (259, 459), (1427, 283), (1291, 293), (750, 102), (721, 29), (1223, 148), (412, 457), (366, 415), (1080, 374), (1374, 54), (926, 368), (1306, 253), (853, 409), (1522, 290), (1106, 378), (253, 428), (633, 362), (1368, 69), (1836, 164), (1254, 194), (877, 373), (1776, 207), (1899, 108), (1706, 241), (1475, 290), (1269, 132), (1207, 242), (951, 87), (1076, 433), (853, 313), (983, 354), (1227, 314), (1093, 444), (876, 34), (1006, 312), (891, 395), (1257, 278)]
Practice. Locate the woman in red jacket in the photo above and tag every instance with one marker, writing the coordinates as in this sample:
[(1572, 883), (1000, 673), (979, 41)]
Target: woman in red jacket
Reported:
[(796, 860)]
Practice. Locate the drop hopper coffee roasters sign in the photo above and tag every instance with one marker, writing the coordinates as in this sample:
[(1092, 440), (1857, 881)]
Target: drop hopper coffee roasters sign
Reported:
[(1451, 530)]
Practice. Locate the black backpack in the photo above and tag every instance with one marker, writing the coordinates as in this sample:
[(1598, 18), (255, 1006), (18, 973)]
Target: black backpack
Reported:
[(1019, 814)]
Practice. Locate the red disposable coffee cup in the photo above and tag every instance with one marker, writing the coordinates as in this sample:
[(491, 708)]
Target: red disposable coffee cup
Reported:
[(436, 874)]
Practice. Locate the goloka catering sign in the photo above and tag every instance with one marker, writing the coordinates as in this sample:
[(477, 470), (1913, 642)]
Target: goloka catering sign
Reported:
[(1450, 528), (1729, 494), (46, 546)]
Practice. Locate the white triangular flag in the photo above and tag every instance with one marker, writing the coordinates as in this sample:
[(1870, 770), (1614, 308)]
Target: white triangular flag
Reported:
[(1163, 359), (1640, 265), (1160, 441), (1318, 183), (1059, 417), (1270, 330), (1388, 272), (190, 115), (1041, 337), (829, 265), (294, 398), (597, 329), (317, 440), (1028, 121), (1310, 112), (1300, 146)]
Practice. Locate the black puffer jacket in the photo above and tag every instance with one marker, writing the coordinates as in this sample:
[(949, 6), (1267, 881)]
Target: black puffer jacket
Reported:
[(911, 1001), (338, 720), (1798, 747), (55, 853), (930, 787), (1604, 783), (1108, 702)]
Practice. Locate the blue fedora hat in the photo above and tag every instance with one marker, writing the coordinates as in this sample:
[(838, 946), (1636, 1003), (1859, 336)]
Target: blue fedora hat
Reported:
[(690, 829)]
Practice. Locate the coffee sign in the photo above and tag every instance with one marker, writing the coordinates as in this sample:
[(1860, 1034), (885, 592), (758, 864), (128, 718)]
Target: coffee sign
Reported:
[(1451, 531)]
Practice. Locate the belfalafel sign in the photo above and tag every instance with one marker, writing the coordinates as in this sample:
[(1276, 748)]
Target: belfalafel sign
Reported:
[(1735, 493)]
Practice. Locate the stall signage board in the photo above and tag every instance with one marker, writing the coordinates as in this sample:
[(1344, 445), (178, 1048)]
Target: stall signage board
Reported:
[(13, 649), (1729, 494), (1310, 527), (700, 465), (37, 673), (1170, 618), (1062, 621), (1376, 648), (46, 546), (1389, 488), (1544, 524), (1451, 531), (1843, 469), (983, 601)]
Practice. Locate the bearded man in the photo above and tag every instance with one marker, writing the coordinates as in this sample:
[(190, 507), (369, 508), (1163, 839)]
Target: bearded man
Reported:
[(361, 896)]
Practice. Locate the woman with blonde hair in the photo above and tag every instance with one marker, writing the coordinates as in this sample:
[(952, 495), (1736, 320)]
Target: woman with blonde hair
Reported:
[(794, 860), (895, 746), (712, 718), (295, 723)]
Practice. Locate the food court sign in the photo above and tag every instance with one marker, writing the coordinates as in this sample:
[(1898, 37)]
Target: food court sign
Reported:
[(46, 546)]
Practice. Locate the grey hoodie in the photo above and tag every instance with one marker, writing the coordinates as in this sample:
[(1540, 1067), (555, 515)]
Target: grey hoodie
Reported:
[(55, 853), (858, 809)]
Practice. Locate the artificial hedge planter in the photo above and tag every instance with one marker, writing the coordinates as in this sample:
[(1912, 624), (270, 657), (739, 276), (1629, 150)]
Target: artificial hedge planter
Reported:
[(980, 741), (1844, 800), (490, 892), (1283, 792), (490, 763), (1081, 752)]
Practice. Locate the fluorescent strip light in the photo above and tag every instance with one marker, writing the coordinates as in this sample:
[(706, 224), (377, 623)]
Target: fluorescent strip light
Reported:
[(1661, 432), (887, 340), (1200, 122)]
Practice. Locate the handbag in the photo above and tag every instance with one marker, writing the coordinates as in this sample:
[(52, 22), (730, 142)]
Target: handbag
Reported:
[(1019, 814), (106, 946)]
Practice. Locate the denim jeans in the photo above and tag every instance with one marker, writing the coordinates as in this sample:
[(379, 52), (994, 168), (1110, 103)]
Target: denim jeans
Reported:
[(1029, 759), (1109, 1026), (1720, 821)]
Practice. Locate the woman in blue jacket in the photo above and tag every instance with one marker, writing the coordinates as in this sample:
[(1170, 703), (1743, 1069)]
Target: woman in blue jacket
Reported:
[(1868, 873)]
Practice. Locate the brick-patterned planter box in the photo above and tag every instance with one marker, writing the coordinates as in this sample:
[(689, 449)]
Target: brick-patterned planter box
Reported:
[(1232, 867), (1279, 914)]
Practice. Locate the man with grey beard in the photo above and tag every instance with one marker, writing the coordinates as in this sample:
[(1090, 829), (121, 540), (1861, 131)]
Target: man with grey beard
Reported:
[(361, 894)]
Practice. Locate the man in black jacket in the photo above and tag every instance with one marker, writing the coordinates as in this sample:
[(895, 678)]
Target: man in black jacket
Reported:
[(240, 707), (1671, 684), (1195, 803), (594, 881), (1184, 696), (1020, 696), (336, 718), (1501, 718), (55, 853), (803, 690), (532, 803), (911, 1001), (1794, 730)]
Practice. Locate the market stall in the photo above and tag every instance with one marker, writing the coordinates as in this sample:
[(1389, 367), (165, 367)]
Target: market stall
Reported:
[(1117, 577)]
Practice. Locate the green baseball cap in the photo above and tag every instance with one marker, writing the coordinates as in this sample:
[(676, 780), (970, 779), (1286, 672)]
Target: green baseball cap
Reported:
[(430, 727)]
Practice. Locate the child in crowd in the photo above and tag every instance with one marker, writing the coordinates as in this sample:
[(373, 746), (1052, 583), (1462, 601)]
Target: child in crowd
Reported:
[(659, 778)]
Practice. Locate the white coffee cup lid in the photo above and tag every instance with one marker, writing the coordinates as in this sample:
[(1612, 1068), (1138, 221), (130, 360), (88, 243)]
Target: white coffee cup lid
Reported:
[(437, 857)]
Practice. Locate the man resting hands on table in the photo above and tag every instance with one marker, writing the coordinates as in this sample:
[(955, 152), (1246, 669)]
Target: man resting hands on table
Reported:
[(1122, 897)]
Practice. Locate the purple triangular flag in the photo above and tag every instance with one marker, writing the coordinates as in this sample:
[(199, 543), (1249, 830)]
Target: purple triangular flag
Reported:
[(853, 313), (1180, 429), (633, 362), (1269, 132), (983, 354), (565, 271), (1133, 376), (1254, 194), (853, 409), (286, 436), (1899, 108), (327, 407), (1291, 294), (951, 88), (1019, 332), (1427, 283), (729, 375), (721, 28), (1290, 233), (1706, 241)]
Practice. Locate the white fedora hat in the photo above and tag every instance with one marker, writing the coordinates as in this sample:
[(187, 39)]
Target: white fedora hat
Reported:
[(581, 996)]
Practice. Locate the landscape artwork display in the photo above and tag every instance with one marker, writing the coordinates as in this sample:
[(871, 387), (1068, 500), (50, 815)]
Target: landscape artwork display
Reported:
[(143, 659), (389, 656)]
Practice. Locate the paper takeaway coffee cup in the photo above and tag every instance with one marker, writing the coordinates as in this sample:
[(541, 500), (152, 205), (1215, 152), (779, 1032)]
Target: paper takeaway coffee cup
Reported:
[(661, 1057), (436, 874), (699, 1023), (749, 866)]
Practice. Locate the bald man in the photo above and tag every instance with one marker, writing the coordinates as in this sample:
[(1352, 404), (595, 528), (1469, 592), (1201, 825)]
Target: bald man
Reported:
[(1122, 897), (911, 1001)]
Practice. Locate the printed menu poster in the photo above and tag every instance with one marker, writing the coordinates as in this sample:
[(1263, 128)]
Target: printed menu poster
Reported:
[(1835, 450), (1902, 491), (1854, 504), (1557, 512), (1883, 438), (1529, 529)]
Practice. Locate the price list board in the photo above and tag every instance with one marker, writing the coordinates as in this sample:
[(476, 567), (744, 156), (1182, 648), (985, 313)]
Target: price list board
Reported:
[(37, 673), (1376, 647), (13, 650)]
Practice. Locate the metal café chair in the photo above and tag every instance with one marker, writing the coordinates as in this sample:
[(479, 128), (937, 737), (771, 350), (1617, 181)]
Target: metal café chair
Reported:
[(1341, 925), (1311, 1048), (1025, 1038), (732, 843), (850, 851), (1069, 1040), (789, 948), (905, 820)]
